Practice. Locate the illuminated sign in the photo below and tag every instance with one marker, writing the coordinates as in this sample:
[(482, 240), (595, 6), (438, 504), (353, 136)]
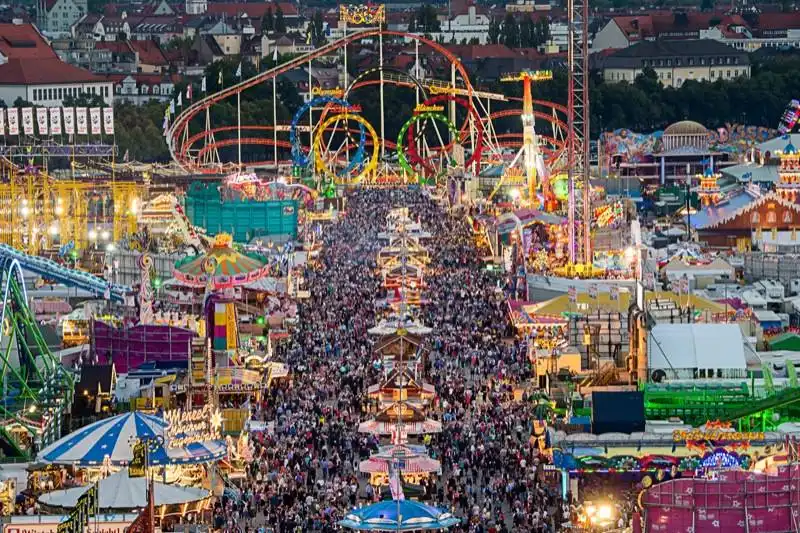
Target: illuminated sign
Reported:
[(342, 110), (362, 14), (188, 427), (319, 91), (721, 459), (714, 435), (422, 108), (437, 89)]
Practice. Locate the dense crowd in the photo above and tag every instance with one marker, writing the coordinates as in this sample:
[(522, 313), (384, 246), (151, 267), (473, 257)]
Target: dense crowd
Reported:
[(305, 473)]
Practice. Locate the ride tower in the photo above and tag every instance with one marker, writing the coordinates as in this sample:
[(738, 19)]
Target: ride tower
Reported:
[(529, 153)]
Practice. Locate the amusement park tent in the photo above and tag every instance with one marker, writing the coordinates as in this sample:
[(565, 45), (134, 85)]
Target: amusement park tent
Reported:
[(785, 341), (119, 491), (685, 348), (115, 437), (404, 515), (558, 306), (677, 269)]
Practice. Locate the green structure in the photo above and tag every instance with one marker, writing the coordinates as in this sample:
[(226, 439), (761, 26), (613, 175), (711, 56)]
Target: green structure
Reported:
[(37, 391), (785, 341), (244, 219)]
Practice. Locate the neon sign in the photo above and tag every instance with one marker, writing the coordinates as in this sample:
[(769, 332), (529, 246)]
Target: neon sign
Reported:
[(188, 427), (422, 108), (720, 459), (319, 91), (362, 14)]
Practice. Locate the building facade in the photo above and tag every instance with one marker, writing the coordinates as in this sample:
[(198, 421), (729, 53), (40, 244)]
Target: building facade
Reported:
[(676, 62)]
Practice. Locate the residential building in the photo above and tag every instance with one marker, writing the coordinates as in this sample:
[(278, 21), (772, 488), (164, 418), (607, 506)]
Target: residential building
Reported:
[(473, 23), (675, 62), (124, 27), (139, 89), (112, 56), (57, 16), (775, 30), (31, 70), (255, 10), (83, 53)]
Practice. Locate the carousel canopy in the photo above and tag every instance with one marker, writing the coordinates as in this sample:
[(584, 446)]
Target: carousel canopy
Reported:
[(405, 515), (398, 325), (228, 267), (115, 437), (408, 458), (120, 491)]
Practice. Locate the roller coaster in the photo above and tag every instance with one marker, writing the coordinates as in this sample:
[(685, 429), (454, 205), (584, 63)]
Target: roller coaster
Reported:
[(329, 140)]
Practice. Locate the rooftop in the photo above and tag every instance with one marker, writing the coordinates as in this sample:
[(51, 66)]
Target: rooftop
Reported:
[(47, 70), (23, 41)]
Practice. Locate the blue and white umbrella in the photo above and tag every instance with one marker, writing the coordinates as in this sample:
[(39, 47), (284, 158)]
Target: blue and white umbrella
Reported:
[(393, 515), (115, 437)]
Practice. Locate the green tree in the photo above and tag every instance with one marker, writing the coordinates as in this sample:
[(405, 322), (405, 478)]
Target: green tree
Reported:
[(493, 34), (527, 33), (85, 100), (542, 31), (280, 24), (317, 28), (268, 21), (427, 20), (510, 32)]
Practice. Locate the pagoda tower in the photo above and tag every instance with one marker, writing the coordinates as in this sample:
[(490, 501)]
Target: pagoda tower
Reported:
[(788, 173)]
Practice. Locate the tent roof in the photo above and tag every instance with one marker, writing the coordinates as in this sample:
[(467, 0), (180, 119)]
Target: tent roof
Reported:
[(120, 491), (713, 346)]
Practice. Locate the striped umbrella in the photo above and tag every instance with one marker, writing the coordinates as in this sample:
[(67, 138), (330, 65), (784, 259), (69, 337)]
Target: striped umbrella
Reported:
[(115, 437)]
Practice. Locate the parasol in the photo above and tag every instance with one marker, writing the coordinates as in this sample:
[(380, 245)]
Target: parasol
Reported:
[(228, 267)]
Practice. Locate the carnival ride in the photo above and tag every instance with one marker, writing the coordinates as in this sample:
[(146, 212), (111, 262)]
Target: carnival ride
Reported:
[(345, 148), (49, 269), (37, 390)]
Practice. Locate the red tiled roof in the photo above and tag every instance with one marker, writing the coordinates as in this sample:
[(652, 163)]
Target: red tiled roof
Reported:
[(253, 10), (778, 21), (23, 41), (638, 27), (149, 52), (116, 47), (402, 62), (47, 70)]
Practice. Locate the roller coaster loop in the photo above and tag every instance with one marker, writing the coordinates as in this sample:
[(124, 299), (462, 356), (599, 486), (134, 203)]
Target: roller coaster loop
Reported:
[(401, 156), (298, 157), (345, 177)]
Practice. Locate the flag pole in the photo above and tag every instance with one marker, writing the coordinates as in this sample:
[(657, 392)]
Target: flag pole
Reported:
[(239, 125), (275, 119)]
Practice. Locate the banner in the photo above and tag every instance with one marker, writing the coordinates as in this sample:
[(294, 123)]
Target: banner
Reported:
[(108, 120), (94, 117), (41, 120), (2, 122), (27, 120), (136, 468), (69, 121), (80, 117), (572, 291), (13, 121), (55, 121)]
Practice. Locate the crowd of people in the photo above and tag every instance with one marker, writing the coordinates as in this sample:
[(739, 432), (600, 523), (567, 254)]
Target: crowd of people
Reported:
[(305, 477)]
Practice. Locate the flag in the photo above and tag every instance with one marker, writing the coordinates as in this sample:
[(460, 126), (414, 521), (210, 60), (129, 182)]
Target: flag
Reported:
[(27, 120), (80, 116), (239, 71), (69, 121), (219, 78), (41, 120), (108, 120), (180, 99), (2, 122), (203, 85), (172, 107), (136, 468), (189, 93), (95, 120), (126, 157), (308, 37), (396, 486), (275, 54), (13, 121), (55, 121)]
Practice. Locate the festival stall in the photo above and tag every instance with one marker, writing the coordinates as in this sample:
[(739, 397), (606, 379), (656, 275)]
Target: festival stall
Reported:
[(119, 493), (403, 417), (412, 461), (401, 385)]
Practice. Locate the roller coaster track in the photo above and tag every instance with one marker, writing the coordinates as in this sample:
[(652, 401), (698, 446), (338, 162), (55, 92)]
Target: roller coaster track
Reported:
[(51, 270), (37, 391), (179, 150), (777, 400)]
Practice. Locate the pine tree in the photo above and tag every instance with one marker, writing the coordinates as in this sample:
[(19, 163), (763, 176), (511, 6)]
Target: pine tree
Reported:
[(510, 32), (280, 24), (493, 35), (268, 21)]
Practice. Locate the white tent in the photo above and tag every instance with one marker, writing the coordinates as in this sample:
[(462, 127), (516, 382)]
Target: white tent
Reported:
[(677, 268), (120, 491), (678, 349)]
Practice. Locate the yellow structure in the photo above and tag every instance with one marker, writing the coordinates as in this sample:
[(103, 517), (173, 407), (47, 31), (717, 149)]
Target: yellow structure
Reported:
[(38, 211)]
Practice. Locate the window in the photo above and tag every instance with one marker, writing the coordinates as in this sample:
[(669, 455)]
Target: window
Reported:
[(729, 73), (772, 217), (60, 93), (669, 62), (787, 217), (754, 218), (728, 60), (702, 60), (691, 61)]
